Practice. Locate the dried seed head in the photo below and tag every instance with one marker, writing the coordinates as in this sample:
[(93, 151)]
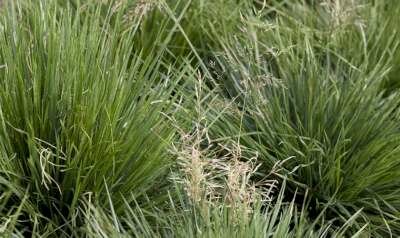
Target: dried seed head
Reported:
[(341, 12), (144, 6)]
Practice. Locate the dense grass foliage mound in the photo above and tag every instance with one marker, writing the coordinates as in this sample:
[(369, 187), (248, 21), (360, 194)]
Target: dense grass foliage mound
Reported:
[(172, 118), (321, 115), (81, 114)]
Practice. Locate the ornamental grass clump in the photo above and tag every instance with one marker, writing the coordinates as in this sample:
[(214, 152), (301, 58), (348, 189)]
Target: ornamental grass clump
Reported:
[(320, 114), (82, 110)]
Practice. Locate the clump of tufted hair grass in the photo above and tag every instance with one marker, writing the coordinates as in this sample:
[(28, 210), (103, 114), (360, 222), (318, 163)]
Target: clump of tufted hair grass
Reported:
[(305, 98), (82, 115)]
